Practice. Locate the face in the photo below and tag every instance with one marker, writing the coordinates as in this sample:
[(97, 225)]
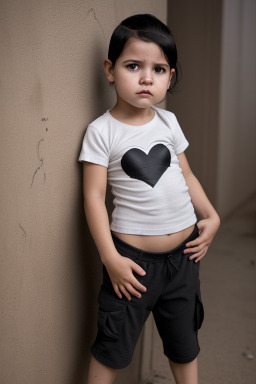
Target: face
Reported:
[(141, 74)]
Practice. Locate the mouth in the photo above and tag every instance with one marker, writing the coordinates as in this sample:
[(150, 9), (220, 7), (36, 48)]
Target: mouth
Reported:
[(144, 92)]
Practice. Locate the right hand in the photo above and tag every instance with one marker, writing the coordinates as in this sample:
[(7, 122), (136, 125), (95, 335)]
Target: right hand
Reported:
[(120, 270)]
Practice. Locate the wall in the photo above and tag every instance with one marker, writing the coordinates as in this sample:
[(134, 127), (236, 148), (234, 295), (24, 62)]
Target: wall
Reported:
[(237, 124), (196, 26), (52, 86), (216, 99)]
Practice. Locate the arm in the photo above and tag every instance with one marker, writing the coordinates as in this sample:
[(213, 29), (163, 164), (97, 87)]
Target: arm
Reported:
[(210, 221), (119, 268)]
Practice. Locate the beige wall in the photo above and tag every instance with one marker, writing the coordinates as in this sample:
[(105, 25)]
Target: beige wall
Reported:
[(197, 30), (217, 95), (237, 122), (52, 86)]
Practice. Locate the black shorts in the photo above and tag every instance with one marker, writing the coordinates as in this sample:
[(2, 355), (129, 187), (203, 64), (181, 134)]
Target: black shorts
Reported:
[(173, 295)]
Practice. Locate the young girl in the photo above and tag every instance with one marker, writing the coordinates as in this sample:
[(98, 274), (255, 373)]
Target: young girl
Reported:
[(152, 249)]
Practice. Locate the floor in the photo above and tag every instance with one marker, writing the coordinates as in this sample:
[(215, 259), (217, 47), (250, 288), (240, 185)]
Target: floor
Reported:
[(228, 283)]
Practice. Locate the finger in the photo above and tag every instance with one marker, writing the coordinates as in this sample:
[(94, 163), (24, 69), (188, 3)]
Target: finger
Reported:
[(125, 292), (138, 285), (195, 249), (132, 290), (117, 291), (201, 256), (197, 255), (195, 242), (136, 268)]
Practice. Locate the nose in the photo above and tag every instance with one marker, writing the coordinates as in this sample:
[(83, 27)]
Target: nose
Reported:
[(146, 78)]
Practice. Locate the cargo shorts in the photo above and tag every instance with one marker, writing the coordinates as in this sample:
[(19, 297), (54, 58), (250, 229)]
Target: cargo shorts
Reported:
[(173, 296)]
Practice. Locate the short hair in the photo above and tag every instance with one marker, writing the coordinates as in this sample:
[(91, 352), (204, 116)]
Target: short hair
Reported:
[(148, 28)]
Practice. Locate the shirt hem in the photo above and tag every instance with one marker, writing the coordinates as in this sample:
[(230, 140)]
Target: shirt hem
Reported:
[(181, 148), (151, 231), (93, 160)]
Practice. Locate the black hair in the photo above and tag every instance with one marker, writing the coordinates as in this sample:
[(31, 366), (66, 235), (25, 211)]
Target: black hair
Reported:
[(148, 28)]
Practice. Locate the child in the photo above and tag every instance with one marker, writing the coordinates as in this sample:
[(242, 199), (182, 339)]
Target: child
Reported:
[(152, 249)]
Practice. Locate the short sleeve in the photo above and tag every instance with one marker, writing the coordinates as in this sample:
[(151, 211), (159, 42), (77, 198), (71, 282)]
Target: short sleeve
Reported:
[(94, 147), (180, 141)]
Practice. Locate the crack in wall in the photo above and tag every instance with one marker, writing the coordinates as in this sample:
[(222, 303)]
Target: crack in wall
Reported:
[(23, 230), (93, 13), (42, 162)]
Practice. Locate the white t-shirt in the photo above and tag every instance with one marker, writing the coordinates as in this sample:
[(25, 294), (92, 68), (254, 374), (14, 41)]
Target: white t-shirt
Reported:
[(150, 193)]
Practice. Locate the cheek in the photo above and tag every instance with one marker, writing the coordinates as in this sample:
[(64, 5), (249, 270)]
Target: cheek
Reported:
[(165, 84), (129, 78), (121, 79), (124, 83)]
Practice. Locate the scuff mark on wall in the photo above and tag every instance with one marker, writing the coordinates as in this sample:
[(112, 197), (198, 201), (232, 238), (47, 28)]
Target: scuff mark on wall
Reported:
[(42, 162), (93, 13), (44, 119), (24, 232)]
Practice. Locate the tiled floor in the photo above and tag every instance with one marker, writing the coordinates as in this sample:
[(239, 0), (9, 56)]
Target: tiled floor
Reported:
[(228, 284)]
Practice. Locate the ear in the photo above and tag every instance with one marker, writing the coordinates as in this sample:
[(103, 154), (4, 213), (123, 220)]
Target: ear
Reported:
[(108, 69), (171, 75)]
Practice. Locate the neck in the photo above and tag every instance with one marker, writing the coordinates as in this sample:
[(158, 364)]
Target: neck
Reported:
[(132, 115)]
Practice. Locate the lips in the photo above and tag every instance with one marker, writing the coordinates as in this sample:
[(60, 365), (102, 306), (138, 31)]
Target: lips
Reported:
[(144, 92)]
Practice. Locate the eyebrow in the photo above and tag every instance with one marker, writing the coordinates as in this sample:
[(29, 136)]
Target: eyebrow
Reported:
[(139, 62)]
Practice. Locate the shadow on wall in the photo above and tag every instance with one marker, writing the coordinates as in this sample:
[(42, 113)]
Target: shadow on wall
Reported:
[(89, 267)]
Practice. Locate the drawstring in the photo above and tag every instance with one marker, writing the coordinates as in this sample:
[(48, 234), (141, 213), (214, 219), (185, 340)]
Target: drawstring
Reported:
[(172, 269)]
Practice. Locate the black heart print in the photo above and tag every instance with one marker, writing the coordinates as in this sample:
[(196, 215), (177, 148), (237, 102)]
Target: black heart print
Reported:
[(147, 168)]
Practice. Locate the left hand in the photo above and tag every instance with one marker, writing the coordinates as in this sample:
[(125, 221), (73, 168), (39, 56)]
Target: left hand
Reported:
[(207, 230)]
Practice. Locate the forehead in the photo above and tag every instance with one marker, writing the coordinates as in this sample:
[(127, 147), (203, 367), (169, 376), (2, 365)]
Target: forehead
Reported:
[(142, 50)]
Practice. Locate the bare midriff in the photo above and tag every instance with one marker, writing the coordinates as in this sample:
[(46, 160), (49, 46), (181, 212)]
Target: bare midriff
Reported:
[(161, 243)]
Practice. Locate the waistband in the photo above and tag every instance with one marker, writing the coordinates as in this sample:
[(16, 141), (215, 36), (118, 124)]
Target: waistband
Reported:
[(140, 254)]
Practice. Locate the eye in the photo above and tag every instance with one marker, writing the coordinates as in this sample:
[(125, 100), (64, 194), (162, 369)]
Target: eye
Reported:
[(133, 67), (160, 70)]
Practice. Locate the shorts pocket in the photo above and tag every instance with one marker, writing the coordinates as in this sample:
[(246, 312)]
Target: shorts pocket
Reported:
[(111, 314), (199, 312)]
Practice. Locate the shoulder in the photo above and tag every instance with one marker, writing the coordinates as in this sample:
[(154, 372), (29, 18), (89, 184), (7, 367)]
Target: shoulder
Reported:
[(101, 122), (167, 116), (179, 140)]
